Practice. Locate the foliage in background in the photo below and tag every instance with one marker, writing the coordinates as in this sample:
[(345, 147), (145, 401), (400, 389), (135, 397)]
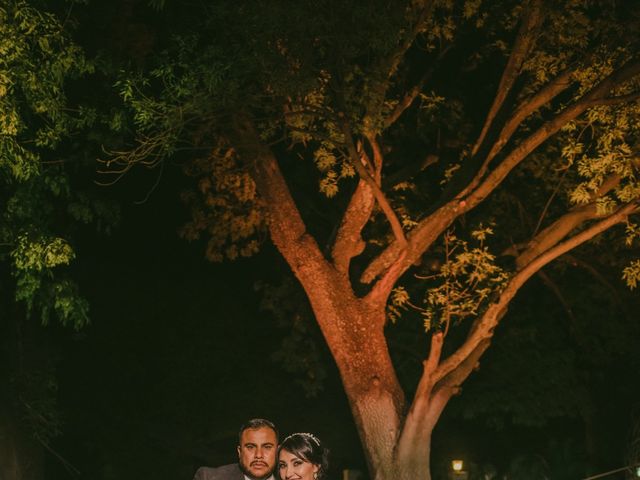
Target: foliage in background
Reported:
[(36, 60), (41, 207), (301, 350)]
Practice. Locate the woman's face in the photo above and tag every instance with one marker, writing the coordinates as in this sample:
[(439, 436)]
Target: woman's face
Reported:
[(295, 468)]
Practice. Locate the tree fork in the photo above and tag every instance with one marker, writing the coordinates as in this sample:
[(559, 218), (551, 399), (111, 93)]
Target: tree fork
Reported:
[(362, 356)]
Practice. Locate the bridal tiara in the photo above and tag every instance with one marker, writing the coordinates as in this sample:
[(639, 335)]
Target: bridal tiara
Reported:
[(310, 436)]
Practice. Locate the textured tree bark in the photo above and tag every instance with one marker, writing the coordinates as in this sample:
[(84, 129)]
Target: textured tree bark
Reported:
[(354, 333)]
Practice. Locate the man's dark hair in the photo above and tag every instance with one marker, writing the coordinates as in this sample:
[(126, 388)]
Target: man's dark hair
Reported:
[(255, 423)]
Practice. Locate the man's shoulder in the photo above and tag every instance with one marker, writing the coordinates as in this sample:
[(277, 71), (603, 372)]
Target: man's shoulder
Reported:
[(225, 472)]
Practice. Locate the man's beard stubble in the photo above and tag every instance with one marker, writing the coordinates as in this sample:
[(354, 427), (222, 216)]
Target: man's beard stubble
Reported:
[(245, 470)]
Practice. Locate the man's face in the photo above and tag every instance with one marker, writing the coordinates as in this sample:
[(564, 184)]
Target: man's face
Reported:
[(257, 452)]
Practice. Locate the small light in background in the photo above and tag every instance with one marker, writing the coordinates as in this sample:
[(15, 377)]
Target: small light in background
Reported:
[(638, 472), (457, 465)]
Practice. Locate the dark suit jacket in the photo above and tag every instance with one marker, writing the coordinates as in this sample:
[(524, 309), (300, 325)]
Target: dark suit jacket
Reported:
[(226, 472)]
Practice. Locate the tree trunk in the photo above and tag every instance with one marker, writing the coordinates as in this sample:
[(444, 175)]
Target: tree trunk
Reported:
[(352, 327), (354, 331)]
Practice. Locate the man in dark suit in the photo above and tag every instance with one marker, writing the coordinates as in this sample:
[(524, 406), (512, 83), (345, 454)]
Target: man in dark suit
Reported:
[(257, 445)]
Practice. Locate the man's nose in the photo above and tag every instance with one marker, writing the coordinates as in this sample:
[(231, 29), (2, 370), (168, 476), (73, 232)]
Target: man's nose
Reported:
[(259, 453)]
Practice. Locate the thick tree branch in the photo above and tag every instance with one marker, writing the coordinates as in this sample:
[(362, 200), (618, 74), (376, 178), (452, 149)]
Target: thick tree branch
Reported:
[(423, 392), (349, 243), (450, 385), (556, 232), (378, 157), (430, 399), (484, 326), (381, 290), (379, 195), (543, 97), (560, 228), (415, 423), (435, 351), (456, 377), (522, 46), (428, 230), (418, 240), (548, 129), (526, 108), (550, 91), (286, 226)]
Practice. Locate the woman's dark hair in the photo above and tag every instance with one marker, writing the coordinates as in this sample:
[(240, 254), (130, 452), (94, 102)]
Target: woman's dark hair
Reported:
[(307, 447)]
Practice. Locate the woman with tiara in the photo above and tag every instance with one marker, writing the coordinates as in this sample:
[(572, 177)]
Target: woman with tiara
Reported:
[(302, 456)]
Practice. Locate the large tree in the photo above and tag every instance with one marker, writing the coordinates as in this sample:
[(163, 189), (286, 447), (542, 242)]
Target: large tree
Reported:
[(433, 129)]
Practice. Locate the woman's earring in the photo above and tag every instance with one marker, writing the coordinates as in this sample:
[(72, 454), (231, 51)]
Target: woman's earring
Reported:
[(315, 475)]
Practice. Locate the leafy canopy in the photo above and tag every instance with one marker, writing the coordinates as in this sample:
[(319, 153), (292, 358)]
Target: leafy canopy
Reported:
[(321, 79), (37, 60)]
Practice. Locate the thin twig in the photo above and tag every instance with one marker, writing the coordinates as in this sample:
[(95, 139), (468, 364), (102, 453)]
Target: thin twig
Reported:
[(548, 204), (65, 463)]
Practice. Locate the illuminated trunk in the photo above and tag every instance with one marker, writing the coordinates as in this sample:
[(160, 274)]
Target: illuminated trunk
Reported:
[(354, 333), (396, 444)]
